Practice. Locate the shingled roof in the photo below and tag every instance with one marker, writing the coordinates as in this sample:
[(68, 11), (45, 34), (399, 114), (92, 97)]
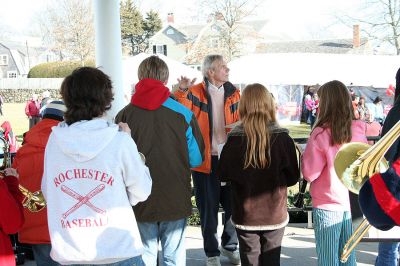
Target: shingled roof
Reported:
[(338, 46)]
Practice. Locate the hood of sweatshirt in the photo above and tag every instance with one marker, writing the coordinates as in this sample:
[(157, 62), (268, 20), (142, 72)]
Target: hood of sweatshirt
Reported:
[(83, 140), (35, 139), (150, 94)]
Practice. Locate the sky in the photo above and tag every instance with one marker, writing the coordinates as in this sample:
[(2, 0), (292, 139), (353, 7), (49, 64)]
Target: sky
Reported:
[(18, 13), (298, 19)]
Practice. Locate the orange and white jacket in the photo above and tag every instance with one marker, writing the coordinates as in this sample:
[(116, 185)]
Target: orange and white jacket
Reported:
[(197, 99)]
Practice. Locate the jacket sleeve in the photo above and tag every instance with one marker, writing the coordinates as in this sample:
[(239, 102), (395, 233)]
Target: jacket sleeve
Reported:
[(313, 159), (119, 117), (223, 162), (181, 97), (135, 173), (394, 151), (195, 143), (291, 169), (27, 109), (11, 214)]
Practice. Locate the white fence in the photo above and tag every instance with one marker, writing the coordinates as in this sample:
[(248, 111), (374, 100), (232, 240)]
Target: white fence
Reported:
[(31, 83)]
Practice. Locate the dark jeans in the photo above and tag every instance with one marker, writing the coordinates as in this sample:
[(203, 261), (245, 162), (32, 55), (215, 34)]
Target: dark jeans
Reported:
[(33, 121), (209, 194), (260, 248)]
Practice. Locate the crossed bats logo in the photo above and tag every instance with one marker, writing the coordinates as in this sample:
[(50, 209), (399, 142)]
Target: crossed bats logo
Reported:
[(82, 200)]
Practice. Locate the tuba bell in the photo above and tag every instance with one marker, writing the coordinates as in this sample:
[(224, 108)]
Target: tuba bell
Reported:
[(354, 164), (33, 201)]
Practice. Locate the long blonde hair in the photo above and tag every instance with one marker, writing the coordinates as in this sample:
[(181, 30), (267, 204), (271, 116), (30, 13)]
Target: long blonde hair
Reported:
[(335, 111), (256, 111)]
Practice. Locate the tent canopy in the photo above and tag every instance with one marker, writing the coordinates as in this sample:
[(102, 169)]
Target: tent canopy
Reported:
[(314, 68), (176, 69)]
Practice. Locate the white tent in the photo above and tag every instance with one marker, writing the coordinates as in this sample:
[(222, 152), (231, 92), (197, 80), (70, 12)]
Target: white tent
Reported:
[(313, 68), (176, 69)]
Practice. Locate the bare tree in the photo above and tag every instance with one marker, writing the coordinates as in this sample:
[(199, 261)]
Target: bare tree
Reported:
[(232, 13), (68, 27), (380, 20)]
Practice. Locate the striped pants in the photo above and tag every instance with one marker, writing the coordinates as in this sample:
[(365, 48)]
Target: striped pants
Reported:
[(332, 230)]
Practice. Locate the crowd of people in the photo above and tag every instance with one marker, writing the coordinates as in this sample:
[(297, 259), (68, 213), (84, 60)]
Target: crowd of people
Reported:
[(92, 172)]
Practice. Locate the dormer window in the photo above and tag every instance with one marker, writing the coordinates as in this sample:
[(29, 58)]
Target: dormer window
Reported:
[(215, 28), (170, 31), (3, 60)]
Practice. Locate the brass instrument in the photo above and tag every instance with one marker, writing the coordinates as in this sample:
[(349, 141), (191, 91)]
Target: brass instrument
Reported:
[(354, 164), (33, 201)]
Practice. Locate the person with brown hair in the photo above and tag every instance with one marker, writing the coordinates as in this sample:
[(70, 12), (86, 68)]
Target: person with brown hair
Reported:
[(93, 174), (335, 126), (377, 110), (168, 135), (259, 160)]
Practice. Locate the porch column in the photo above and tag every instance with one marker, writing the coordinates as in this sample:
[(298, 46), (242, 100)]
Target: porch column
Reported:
[(108, 48)]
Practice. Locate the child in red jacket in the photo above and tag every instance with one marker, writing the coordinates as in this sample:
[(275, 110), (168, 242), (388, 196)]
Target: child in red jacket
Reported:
[(11, 215)]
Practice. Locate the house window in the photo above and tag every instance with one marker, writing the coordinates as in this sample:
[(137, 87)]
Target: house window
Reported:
[(11, 74), (160, 49), (170, 31), (3, 60)]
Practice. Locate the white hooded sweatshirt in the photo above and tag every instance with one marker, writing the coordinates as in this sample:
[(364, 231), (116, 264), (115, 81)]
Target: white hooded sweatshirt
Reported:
[(92, 175)]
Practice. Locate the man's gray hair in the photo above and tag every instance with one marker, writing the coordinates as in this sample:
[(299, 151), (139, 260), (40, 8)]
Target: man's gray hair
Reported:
[(208, 61)]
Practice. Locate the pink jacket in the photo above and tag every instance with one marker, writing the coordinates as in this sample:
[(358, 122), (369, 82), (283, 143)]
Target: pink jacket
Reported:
[(309, 104), (327, 191)]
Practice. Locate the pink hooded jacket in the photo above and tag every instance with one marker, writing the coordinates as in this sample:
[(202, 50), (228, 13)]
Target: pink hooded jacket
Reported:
[(327, 191)]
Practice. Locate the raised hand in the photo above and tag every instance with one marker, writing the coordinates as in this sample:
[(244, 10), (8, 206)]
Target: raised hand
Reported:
[(184, 83), (11, 172)]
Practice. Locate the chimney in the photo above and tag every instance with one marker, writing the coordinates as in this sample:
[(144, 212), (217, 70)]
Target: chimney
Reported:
[(356, 36), (170, 18)]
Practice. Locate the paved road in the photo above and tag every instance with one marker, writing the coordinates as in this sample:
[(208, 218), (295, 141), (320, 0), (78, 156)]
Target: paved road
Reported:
[(298, 248)]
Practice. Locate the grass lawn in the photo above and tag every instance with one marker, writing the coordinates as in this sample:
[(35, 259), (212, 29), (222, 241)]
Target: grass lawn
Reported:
[(299, 130), (15, 114)]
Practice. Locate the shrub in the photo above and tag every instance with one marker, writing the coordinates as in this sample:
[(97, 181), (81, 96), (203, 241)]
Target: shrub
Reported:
[(194, 219), (56, 69), (298, 216)]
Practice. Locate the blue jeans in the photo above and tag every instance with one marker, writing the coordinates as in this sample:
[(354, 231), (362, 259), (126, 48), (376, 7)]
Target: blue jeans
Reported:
[(172, 238), (41, 253), (388, 254), (135, 261), (209, 194)]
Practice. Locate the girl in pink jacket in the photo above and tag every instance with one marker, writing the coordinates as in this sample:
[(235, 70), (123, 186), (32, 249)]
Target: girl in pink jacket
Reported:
[(334, 127)]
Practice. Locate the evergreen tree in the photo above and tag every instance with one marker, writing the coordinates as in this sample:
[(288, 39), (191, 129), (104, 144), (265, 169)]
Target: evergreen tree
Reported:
[(136, 31), (151, 25), (131, 25)]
